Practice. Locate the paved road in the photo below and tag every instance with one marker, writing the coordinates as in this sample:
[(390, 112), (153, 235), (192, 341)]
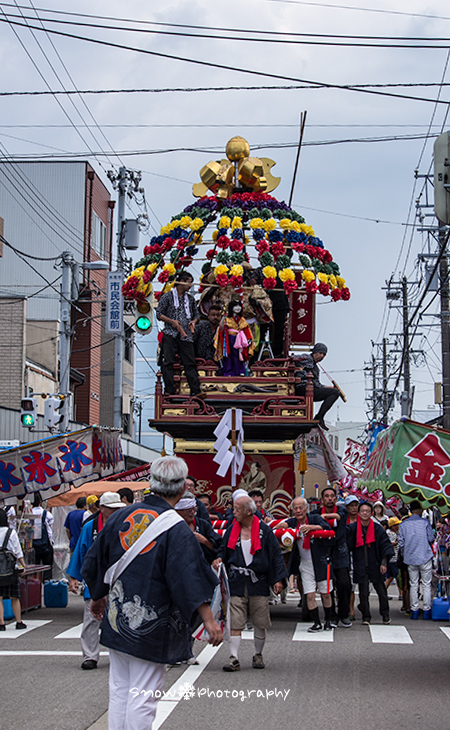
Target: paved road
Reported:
[(355, 678)]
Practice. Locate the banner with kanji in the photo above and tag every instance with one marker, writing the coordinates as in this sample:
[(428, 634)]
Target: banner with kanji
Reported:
[(354, 458), (411, 461), (58, 462)]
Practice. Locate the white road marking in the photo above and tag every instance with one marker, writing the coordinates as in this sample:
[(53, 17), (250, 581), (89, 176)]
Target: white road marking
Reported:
[(192, 673), (12, 633), (247, 634), (390, 635), (73, 633), (301, 634), (446, 630), (46, 653)]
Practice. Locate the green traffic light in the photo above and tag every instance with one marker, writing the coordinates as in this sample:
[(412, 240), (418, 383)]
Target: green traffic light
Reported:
[(143, 324), (27, 419)]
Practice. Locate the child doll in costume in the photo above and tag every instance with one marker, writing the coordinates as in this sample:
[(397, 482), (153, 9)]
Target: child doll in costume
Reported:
[(233, 341)]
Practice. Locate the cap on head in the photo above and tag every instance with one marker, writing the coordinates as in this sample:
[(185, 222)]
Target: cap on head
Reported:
[(92, 499), (111, 500), (350, 498), (319, 347), (394, 521)]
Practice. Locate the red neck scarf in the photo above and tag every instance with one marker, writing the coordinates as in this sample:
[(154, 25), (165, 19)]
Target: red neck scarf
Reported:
[(306, 538), (236, 533), (370, 534), (327, 511)]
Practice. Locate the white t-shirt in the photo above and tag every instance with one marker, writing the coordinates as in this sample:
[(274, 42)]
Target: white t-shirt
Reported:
[(305, 555), (13, 542), (48, 522), (246, 546)]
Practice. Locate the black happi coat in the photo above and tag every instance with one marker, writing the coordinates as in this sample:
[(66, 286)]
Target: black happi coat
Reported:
[(320, 548), (339, 555), (376, 552), (205, 528), (267, 564)]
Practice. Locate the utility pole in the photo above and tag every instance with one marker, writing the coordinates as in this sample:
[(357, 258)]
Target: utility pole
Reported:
[(385, 395), (127, 183), (445, 328), (405, 398), (65, 333)]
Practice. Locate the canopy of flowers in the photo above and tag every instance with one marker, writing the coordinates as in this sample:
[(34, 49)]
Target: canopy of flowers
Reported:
[(280, 236)]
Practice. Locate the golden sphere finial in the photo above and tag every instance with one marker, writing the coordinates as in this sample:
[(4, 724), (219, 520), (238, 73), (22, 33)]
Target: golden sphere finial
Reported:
[(237, 148)]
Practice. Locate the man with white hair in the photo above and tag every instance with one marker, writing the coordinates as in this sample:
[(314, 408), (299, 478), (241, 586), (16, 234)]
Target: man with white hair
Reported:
[(254, 563), (150, 566)]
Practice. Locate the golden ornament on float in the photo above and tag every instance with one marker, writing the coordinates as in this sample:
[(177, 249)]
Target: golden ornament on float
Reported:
[(237, 148)]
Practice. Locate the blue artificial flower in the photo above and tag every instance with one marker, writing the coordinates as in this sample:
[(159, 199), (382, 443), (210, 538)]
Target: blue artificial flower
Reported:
[(258, 234), (275, 236)]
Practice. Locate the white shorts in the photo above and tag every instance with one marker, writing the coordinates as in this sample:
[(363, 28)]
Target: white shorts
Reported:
[(309, 579)]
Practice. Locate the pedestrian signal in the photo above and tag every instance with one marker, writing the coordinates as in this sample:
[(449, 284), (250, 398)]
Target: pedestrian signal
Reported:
[(53, 414), (28, 412)]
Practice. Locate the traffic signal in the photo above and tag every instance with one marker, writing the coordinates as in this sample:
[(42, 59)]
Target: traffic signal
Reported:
[(144, 321), (28, 412), (53, 413)]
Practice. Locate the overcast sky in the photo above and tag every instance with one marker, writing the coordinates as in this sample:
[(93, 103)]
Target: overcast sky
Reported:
[(355, 193)]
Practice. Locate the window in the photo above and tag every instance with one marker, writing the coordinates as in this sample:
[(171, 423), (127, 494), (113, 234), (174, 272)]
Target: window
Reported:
[(128, 344), (98, 240)]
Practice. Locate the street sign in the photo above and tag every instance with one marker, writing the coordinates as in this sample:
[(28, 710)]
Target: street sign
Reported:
[(114, 302)]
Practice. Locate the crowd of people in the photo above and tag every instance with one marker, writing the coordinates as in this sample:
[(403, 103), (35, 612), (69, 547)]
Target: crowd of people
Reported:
[(340, 547)]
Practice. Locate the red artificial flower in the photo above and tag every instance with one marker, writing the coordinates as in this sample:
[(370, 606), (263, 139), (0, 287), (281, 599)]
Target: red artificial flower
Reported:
[(147, 250), (326, 256), (324, 288), (236, 281), (157, 295), (156, 248), (146, 277), (278, 249), (178, 265), (269, 283), (222, 280), (345, 294), (290, 285), (140, 297), (223, 242), (236, 244), (262, 246), (319, 253), (298, 246), (181, 244), (311, 287), (335, 295), (210, 254), (310, 250), (163, 277), (186, 260), (168, 243)]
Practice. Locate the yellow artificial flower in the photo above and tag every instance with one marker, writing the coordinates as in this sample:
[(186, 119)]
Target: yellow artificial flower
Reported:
[(340, 282), (246, 238), (214, 235), (236, 222), (201, 278), (236, 270), (308, 275), (138, 272), (308, 230), (165, 229), (221, 269), (224, 222), (170, 268), (269, 272), (256, 223), (196, 224), (287, 275), (198, 237), (152, 267), (270, 224), (295, 226), (185, 222), (323, 278), (174, 224), (285, 224), (332, 281)]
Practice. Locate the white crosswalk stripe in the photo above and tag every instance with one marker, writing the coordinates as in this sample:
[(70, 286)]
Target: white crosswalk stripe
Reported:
[(390, 635), (12, 633), (301, 634), (73, 633)]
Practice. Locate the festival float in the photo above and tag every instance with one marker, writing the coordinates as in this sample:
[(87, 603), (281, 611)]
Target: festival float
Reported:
[(255, 250)]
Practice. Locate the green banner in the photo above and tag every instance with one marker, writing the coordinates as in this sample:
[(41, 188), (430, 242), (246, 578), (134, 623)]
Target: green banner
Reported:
[(411, 461)]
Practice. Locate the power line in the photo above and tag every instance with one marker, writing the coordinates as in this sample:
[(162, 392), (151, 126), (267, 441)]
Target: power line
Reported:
[(225, 67)]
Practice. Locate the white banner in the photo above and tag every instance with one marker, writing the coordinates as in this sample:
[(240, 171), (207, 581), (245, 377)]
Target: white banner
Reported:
[(58, 462)]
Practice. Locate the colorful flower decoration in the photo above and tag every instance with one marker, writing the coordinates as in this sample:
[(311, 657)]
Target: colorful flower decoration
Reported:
[(281, 238)]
